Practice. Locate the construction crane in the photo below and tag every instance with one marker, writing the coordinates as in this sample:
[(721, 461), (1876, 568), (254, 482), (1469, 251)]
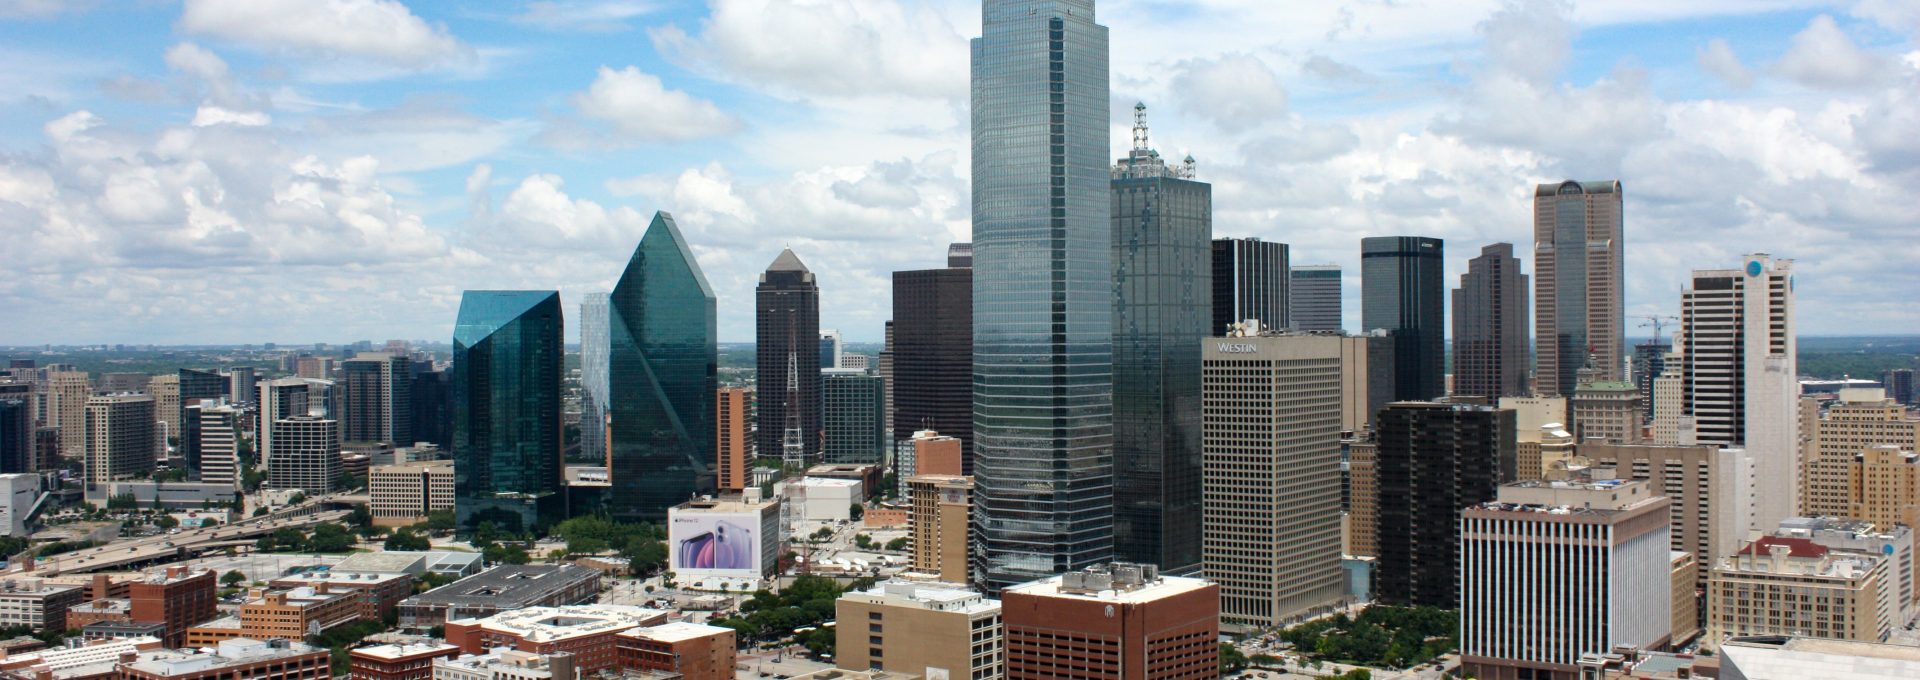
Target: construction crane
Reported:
[(1657, 321)]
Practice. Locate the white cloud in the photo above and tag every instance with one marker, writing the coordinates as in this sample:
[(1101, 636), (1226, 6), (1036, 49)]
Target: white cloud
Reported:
[(1530, 39), (1718, 59), (41, 9), (380, 31), (637, 107), (1236, 91), (585, 15), (1822, 56), (837, 48), (208, 114)]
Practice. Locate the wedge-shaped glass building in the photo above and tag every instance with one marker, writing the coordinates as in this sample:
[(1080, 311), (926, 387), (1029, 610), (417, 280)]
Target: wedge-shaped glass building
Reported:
[(661, 372), (508, 359)]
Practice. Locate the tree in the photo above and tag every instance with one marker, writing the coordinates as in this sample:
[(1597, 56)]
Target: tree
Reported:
[(440, 521), (863, 541), (405, 539), (233, 578), (360, 516), (330, 538), (1232, 660), (166, 522), (644, 555), (124, 501), (898, 544), (856, 511)]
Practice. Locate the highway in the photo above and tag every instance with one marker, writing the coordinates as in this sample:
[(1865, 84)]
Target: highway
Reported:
[(127, 553)]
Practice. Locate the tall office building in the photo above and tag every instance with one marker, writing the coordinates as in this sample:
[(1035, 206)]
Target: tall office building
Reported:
[(1043, 291), (119, 437), (377, 388), (240, 381), (1490, 355), (1555, 570), (306, 454), (1251, 279), (1402, 292), (18, 428), (594, 368), (124, 382), (1836, 440), (508, 361), (1313, 297), (165, 390), (196, 386), (1362, 496), (789, 353), (216, 446), (1273, 476), (1433, 459), (960, 256), (67, 393), (278, 398), (852, 415), (1711, 489), (1119, 622), (883, 366), (1900, 386), (933, 355), (939, 511), (1649, 360), (1741, 373), (663, 376), (1578, 280), (832, 347), (432, 411), (1162, 227), (733, 438)]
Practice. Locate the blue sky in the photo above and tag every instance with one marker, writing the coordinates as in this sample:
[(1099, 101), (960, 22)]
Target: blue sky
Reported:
[(298, 171)]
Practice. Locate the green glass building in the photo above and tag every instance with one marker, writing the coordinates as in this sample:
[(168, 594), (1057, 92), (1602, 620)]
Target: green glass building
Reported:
[(661, 376), (508, 359)]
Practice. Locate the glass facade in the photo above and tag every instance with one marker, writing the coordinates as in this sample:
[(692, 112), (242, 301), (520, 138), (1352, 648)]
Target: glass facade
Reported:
[(1042, 292), (508, 359), (1578, 278), (853, 415), (1490, 326), (661, 378), (593, 376), (1402, 290), (1433, 459), (789, 352), (1313, 298), (1250, 281), (933, 355)]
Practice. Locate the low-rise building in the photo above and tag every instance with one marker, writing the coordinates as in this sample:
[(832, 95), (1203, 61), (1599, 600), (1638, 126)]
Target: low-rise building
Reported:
[(378, 593), (1795, 586), (282, 614), (178, 596), (1122, 621), (414, 563), (398, 661), (94, 659), (933, 630), (503, 588), (695, 651), (1799, 658), (506, 664), (237, 658), (37, 604), (404, 493), (587, 632)]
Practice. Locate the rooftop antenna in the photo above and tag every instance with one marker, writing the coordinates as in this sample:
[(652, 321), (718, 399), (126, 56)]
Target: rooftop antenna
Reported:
[(1140, 126)]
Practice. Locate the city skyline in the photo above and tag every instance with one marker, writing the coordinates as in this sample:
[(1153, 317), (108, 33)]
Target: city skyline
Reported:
[(1390, 121)]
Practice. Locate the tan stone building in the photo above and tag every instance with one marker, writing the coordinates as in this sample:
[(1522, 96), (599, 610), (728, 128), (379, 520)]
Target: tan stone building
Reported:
[(1606, 410), (922, 629), (403, 494), (1709, 487), (1835, 439), (119, 437), (1885, 485), (1684, 575), (1794, 586), (67, 393), (1535, 420), (733, 440), (1363, 499), (938, 522)]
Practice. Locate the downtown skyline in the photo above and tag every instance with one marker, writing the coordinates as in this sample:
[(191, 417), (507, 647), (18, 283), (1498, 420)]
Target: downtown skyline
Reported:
[(440, 160)]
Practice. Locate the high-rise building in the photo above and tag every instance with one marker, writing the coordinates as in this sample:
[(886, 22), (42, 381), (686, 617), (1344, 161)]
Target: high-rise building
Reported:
[(927, 630), (315, 368), (933, 453), (1551, 571), (853, 417), (1313, 297), (832, 348), (1604, 410), (1578, 280), (377, 389), (883, 366), (508, 361), (1671, 425), (215, 457), (165, 390), (124, 382), (1162, 227), (1649, 359), (790, 351), (1403, 293), (1272, 432), (1741, 373), (306, 454), (1490, 326), (18, 427), (119, 438), (733, 438), (1711, 489), (933, 355), (1120, 621), (1836, 441), (1361, 534), (1251, 279), (1434, 459), (278, 399), (663, 375), (195, 386), (959, 255), (432, 410), (67, 393), (1043, 291), (240, 381), (939, 511), (1885, 480), (1366, 379), (594, 369), (1899, 384)]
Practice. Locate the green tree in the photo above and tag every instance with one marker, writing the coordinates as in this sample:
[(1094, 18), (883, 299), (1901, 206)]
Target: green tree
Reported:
[(1232, 660), (124, 501), (166, 522), (856, 511), (863, 541), (233, 578), (898, 544), (360, 516), (330, 538), (440, 521), (405, 539), (644, 555)]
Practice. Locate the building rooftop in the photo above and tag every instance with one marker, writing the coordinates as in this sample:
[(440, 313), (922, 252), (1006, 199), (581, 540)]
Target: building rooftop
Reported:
[(728, 503), (1780, 658), (336, 576), (409, 562), (507, 586), (231, 652), (392, 651), (1592, 490), (549, 624), (61, 658), (934, 596), (677, 631), (1796, 547), (498, 656), (1117, 583)]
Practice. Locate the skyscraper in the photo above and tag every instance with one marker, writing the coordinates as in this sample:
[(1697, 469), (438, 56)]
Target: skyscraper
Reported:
[(66, 397), (119, 437), (195, 386), (593, 375), (1401, 291), (662, 377), (216, 447), (1899, 384), (1433, 459), (832, 347), (377, 389), (852, 415), (240, 381), (1649, 359), (1742, 384), (933, 355), (789, 352), (1578, 282), (508, 359), (1043, 291), (306, 453), (278, 398), (17, 428), (1313, 297), (1162, 225), (733, 438), (1490, 326), (1250, 281), (432, 409)]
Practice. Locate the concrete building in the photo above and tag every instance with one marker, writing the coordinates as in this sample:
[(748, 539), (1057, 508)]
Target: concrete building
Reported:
[(411, 661), (587, 632), (376, 391), (1271, 458), (939, 525), (1554, 570), (238, 658), (507, 664), (214, 453), (1683, 583), (930, 630), (937, 454), (279, 399), (403, 494), (21, 495), (1794, 586), (1800, 658), (1671, 424), (1900, 386), (1435, 458), (120, 437), (503, 588), (1579, 294), (37, 604), (178, 596), (1313, 296), (281, 614), (305, 454), (66, 395), (454, 564), (1490, 340), (96, 659), (733, 437), (1605, 410), (814, 499), (1836, 440), (1361, 534), (1366, 379), (1738, 345), (1895, 542), (1119, 621), (1536, 420), (693, 651), (1885, 485), (1711, 489)]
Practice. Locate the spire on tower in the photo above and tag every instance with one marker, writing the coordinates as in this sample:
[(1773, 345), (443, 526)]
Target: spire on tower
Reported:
[(1140, 126)]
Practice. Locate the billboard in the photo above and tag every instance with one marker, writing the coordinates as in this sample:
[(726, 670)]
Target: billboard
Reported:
[(715, 543)]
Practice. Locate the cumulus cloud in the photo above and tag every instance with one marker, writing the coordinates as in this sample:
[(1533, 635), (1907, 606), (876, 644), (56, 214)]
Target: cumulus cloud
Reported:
[(213, 115), (1236, 91), (1822, 56), (1718, 59), (635, 106), (380, 31), (843, 48), (1530, 39), (585, 15)]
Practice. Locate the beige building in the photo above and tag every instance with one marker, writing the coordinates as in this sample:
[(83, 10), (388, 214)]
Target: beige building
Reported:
[(1578, 282), (938, 522), (733, 440), (932, 631), (1542, 452), (165, 390), (1796, 587), (120, 432), (1671, 424), (1711, 489), (1360, 533), (1885, 483), (1684, 576), (403, 494), (1366, 379), (1535, 419), (67, 393), (1607, 411), (1835, 440)]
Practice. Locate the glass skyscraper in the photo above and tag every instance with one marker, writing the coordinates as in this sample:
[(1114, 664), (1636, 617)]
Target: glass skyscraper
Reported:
[(1402, 290), (1250, 281), (853, 416), (1162, 310), (508, 359), (661, 377), (593, 376), (1042, 292)]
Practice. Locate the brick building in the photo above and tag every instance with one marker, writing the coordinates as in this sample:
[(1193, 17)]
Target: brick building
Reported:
[(587, 632), (695, 651), (399, 662), (1118, 622), (179, 596)]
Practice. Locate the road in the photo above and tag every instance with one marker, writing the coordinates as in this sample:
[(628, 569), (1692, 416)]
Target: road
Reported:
[(134, 551)]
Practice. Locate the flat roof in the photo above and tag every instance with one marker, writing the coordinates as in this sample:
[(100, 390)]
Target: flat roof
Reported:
[(332, 576), (1773, 659), (508, 586), (1163, 587), (547, 624), (391, 651), (678, 631)]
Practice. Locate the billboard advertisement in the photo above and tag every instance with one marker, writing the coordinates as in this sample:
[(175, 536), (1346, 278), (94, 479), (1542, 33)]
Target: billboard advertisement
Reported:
[(715, 543)]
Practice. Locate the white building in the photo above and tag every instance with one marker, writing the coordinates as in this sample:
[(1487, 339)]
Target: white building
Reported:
[(1738, 353), (22, 491), (821, 499)]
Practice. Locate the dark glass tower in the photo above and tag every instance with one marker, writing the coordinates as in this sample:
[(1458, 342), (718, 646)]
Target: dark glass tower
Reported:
[(377, 389), (17, 428), (1490, 326), (933, 356), (788, 351), (1042, 292), (1250, 281), (1162, 227), (508, 359), (1313, 297), (432, 418), (1434, 459), (661, 377), (853, 416), (1402, 291)]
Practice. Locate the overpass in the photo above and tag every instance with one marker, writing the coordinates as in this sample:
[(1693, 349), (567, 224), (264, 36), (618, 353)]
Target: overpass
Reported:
[(135, 552)]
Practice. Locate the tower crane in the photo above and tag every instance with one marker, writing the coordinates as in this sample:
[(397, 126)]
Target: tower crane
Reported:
[(1657, 321)]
